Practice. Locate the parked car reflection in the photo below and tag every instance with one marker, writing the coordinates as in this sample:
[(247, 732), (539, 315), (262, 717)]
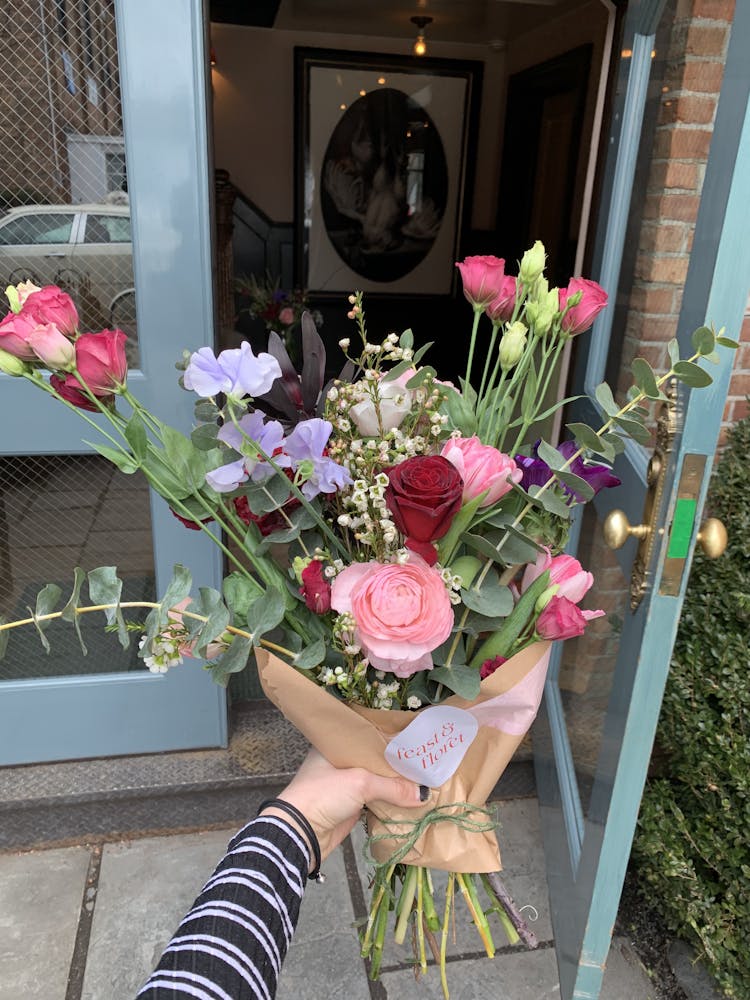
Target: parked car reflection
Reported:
[(85, 249)]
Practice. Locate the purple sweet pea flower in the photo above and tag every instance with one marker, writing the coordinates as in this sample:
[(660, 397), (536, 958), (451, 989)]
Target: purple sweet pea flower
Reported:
[(307, 443), (227, 478), (536, 472), (269, 437), (237, 372)]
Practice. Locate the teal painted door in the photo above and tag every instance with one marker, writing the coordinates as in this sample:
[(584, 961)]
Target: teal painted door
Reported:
[(594, 736), (60, 504)]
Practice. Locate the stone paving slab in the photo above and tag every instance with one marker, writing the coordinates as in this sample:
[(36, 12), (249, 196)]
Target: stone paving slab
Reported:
[(145, 888), (40, 902)]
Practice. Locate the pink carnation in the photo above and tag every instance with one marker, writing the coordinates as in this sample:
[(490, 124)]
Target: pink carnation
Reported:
[(401, 611)]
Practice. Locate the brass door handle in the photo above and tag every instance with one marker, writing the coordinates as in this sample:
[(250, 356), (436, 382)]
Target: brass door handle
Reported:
[(617, 529), (712, 538)]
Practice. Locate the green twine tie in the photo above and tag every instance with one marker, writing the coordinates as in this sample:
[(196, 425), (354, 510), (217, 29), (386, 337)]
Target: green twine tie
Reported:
[(416, 828)]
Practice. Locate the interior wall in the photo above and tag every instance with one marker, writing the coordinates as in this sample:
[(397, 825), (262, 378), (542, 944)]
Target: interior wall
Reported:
[(253, 83)]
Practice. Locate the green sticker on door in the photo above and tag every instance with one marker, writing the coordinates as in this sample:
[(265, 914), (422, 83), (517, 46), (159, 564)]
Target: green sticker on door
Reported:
[(682, 528)]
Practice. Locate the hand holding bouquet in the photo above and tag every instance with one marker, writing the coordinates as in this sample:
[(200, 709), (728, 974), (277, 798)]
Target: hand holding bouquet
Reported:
[(407, 626)]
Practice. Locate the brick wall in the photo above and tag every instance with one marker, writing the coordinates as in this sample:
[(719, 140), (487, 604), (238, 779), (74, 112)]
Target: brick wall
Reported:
[(689, 97)]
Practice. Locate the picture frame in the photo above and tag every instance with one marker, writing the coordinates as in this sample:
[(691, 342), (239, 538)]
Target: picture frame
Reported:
[(384, 170)]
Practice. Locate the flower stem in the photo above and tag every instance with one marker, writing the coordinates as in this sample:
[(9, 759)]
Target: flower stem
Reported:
[(472, 343), (405, 903), (444, 936)]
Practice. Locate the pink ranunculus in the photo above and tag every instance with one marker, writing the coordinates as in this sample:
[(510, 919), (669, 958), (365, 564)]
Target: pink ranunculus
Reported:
[(316, 589), (582, 316), (564, 571), (500, 309), (286, 316), (101, 362), (402, 612), (51, 347), (562, 619), (482, 279), (15, 330), (482, 467), (52, 305)]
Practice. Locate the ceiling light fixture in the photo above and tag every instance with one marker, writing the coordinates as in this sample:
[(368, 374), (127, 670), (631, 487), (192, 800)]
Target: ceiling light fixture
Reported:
[(420, 45)]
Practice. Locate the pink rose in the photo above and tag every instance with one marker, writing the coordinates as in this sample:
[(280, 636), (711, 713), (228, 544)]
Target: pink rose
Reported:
[(15, 330), (500, 309), (564, 571), (402, 612), (315, 588), (51, 347), (482, 467), (482, 279), (100, 359), (582, 316), (286, 316), (52, 305), (562, 619)]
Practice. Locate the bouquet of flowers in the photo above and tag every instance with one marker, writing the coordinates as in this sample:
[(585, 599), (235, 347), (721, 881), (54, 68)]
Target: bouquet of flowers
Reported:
[(281, 311), (407, 625)]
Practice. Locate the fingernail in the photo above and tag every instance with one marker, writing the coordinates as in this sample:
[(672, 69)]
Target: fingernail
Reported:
[(424, 793)]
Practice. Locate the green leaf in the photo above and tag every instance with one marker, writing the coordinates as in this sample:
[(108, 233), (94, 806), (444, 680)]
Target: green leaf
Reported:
[(501, 643), (301, 520), (69, 611), (164, 480), (703, 340), (265, 613), (311, 655), (673, 348), (635, 429), (575, 483), (482, 545), (585, 436), (204, 436), (398, 369), (460, 413), (492, 599), (232, 662), (177, 590), (106, 588), (606, 400), (645, 378), (269, 495), (206, 411), (213, 607), (46, 602), (418, 355), (727, 342), (551, 502), (529, 397), (239, 593), (121, 459), (187, 462), (446, 546), (406, 340), (421, 377), (692, 375), (135, 435), (550, 455), (616, 442), (462, 680)]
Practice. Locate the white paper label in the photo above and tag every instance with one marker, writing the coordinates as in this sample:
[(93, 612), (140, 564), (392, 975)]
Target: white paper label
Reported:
[(430, 749)]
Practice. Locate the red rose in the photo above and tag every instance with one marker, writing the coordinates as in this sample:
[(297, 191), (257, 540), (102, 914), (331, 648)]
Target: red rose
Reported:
[(315, 588), (424, 495)]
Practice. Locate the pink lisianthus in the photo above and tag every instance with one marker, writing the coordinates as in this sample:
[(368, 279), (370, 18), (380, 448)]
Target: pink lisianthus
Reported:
[(51, 305), (565, 572), (316, 589), (401, 611), (500, 309), (581, 317), (482, 279), (24, 289), (562, 619), (101, 362), (481, 467), (52, 348), (15, 330)]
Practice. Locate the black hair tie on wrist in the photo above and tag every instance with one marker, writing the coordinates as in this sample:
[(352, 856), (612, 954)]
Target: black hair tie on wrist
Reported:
[(316, 875)]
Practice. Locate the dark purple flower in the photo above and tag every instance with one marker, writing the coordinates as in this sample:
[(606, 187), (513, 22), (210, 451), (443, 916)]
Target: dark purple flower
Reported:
[(536, 472)]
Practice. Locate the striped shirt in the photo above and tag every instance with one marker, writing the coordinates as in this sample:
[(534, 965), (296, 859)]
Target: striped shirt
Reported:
[(231, 944)]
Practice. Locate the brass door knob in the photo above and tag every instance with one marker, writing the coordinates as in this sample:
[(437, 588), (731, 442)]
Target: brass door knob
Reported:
[(617, 529), (712, 537)]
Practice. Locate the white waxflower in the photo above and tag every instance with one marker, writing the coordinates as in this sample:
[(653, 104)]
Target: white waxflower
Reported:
[(413, 702)]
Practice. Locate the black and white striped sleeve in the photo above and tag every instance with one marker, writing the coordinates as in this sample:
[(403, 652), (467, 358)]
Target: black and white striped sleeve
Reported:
[(231, 944)]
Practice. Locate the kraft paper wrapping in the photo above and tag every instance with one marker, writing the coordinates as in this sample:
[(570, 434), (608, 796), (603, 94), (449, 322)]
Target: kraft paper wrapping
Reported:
[(354, 736)]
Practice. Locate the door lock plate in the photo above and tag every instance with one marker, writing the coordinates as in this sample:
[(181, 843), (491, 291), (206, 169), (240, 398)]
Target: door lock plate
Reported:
[(683, 524)]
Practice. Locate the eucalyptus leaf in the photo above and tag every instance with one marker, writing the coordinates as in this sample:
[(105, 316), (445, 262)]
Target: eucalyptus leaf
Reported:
[(492, 599), (239, 592), (301, 519), (576, 484), (46, 602), (217, 614), (69, 611), (106, 588), (585, 436), (421, 377), (606, 400), (645, 378), (461, 415), (398, 369), (635, 429), (462, 680), (177, 590), (477, 624), (727, 342), (692, 375), (673, 348), (265, 614), (615, 442), (269, 495), (550, 501), (419, 354), (550, 455), (703, 340), (406, 340), (312, 655), (204, 436), (206, 410), (232, 662)]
